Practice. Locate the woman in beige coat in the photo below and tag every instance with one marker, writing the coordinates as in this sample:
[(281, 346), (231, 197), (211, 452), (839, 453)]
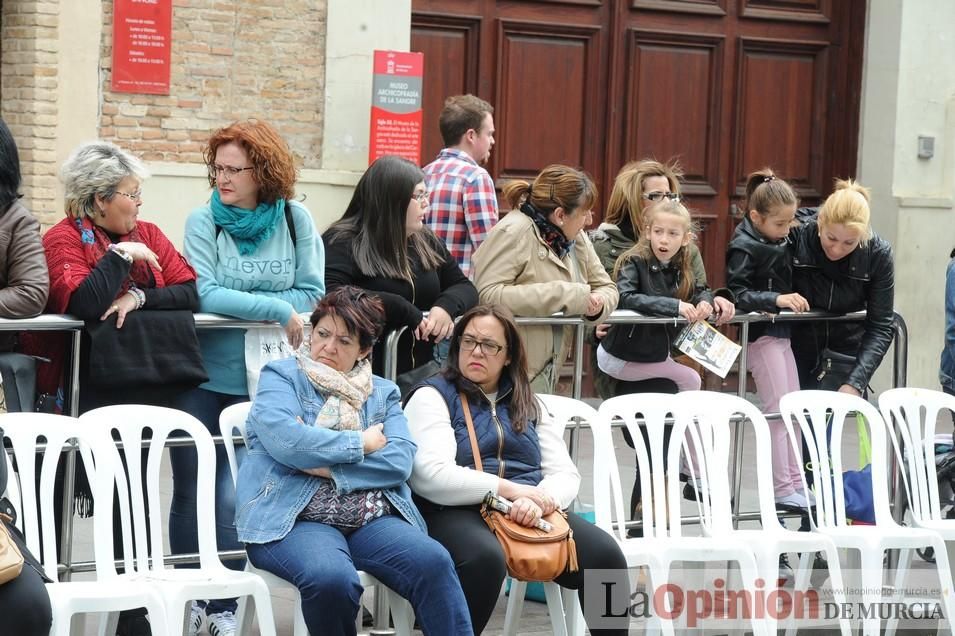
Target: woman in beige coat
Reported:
[(538, 261)]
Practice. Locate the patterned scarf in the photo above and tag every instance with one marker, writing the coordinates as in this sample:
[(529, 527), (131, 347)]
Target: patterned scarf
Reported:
[(552, 235), (345, 393), (248, 228), (96, 243)]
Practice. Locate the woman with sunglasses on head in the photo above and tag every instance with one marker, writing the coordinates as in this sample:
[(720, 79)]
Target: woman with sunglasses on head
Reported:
[(382, 244), (538, 261), (523, 459), (258, 257)]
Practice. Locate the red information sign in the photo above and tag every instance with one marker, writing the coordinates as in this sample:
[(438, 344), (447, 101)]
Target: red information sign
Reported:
[(142, 42), (396, 105)]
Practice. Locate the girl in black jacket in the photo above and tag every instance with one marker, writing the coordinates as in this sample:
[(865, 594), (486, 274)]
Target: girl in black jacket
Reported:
[(382, 244), (759, 273), (655, 278)]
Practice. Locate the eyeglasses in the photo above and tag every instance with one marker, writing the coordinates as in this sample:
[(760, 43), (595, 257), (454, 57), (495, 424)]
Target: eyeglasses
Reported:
[(228, 171), (135, 196), (489, 348), (659, 196), (421, 197)]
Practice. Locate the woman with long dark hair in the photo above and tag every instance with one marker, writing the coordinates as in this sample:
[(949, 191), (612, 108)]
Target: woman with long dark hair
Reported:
[(382, 244), (523, 459)]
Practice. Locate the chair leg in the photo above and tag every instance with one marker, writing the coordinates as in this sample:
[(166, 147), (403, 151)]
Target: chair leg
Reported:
[(243, 617), (838, 585), (401, 613), (555, 608), (872, 573), (263, 610), (573, 612), (515, 606)]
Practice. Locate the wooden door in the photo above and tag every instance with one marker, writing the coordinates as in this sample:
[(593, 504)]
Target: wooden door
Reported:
[(725, 86)]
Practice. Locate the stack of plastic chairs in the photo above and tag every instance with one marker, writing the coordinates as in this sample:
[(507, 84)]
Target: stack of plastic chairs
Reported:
[(821, 416)]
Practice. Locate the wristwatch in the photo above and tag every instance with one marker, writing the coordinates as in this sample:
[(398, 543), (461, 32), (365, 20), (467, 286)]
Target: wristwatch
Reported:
[(120, 252)]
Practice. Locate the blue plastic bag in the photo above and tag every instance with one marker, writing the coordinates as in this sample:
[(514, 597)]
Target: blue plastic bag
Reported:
[(857, 486)]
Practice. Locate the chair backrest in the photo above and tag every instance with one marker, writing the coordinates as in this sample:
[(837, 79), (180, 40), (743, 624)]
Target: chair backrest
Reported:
[(144, 549), (911, 415), (652, 412), (231, 421), (821, 416), (710, 419), (27, 432), (566, 410)]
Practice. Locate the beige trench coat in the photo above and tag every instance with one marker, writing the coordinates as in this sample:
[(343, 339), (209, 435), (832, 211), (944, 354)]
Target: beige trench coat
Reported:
[(516, 268)]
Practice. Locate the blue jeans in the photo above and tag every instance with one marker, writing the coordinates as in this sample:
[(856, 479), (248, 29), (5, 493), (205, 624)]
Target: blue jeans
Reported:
[(183, 533), (322, 562)]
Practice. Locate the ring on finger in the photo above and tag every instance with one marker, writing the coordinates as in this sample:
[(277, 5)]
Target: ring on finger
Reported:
[(115, 307)]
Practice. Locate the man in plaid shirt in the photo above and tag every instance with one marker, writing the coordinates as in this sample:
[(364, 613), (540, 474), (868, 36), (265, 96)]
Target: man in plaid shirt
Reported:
[(463, 203)]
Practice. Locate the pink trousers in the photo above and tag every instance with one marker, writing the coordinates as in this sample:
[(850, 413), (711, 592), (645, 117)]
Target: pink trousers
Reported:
[(771, 362)]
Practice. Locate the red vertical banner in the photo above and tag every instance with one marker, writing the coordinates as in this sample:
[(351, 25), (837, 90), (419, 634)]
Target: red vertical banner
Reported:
[(396, 105), (142, 46)]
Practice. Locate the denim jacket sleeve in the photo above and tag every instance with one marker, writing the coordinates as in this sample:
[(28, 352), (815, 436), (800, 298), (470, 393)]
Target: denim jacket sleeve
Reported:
[(390, 466), (276, 419)]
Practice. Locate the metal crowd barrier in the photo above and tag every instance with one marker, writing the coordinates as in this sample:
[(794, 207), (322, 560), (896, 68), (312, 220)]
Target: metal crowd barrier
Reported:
[(56, 322), (899, 364)]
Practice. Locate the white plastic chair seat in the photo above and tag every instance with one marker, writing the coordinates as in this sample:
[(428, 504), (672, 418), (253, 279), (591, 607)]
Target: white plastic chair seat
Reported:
[(107, 594), (178, 587)]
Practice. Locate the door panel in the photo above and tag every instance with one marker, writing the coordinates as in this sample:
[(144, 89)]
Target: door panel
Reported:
[(726, 86)]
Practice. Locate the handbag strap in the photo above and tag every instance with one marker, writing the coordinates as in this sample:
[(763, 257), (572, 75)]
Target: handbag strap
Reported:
[(471, 434)]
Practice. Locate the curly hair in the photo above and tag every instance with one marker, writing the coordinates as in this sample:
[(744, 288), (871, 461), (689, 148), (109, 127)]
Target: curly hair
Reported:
[(273, 166), (95, 169)]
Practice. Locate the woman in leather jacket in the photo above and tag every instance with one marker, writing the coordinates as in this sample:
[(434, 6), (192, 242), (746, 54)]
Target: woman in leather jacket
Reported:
[(841, 266)]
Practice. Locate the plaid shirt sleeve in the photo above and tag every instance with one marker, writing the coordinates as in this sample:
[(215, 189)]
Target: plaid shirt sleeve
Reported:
[(480, 208)]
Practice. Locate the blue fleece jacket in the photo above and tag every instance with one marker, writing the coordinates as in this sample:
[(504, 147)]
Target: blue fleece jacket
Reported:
[(275, 281)]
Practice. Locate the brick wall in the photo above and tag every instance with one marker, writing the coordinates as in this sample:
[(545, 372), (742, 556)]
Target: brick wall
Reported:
[(29, 50), (231, 59)]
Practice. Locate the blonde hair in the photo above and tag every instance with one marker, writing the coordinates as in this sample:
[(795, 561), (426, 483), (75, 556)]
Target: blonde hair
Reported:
[(557, 186), (681, 259), (626, 199), (848, 205)]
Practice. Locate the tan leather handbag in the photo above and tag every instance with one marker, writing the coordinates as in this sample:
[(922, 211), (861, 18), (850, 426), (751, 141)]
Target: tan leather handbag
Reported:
[(530, 554), (11, 559)]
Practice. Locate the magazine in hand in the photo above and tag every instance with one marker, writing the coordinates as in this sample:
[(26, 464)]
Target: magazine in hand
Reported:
[(703, 343)]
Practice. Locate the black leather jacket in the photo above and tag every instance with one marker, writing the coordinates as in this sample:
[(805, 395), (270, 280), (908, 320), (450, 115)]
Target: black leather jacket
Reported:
[(649, 288), (757, 271), (862, 280)]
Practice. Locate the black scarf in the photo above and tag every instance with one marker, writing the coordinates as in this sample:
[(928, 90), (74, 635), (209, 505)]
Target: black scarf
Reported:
[(552, 235)]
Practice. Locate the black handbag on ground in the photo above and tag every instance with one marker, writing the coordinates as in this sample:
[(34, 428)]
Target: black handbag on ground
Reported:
[(832, 369)]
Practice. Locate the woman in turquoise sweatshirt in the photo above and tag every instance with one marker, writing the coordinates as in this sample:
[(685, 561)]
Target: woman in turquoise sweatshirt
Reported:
[(258, 257)]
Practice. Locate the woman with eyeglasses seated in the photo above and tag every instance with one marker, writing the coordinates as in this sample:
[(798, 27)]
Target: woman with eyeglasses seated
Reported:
[(538, 261), (135, 292), (523, 459), (382, 244), (323, 490), (258, 257)]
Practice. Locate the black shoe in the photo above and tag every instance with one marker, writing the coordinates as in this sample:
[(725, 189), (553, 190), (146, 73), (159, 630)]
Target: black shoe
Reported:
[(689, 491), (133, 623), (786, 576), (367, 620), (634, 533)]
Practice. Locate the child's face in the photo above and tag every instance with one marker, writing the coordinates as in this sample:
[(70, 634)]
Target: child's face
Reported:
[(775, 225), (668, 233)]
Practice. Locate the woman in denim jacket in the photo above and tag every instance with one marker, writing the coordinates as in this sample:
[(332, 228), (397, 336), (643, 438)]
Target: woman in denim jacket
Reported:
[(946, 371), (323, 492)]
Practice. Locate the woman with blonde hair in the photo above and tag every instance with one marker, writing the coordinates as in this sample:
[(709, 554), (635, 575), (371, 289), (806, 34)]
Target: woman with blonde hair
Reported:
[(538, 261), (840, 265)]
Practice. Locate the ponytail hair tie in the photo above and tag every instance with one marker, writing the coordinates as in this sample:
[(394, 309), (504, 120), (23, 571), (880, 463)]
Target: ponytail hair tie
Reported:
[(771, 177)]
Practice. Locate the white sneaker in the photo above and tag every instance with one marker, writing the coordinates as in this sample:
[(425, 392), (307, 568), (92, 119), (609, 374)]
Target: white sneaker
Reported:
[(793, 500), (221, 624), (195, 619)]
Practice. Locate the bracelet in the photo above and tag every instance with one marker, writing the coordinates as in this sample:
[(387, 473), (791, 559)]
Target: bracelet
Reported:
[(120, 252), (138, 294)]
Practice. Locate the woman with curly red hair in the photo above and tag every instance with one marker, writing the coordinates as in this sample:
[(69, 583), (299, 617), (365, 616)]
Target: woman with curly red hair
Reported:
[(258, 257)]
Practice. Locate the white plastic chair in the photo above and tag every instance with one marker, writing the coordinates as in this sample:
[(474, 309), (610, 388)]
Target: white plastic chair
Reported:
[(817, 411), (107, 593), (144, 553), (710, 417), (663, 541), (231, 422), (563, 606)]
